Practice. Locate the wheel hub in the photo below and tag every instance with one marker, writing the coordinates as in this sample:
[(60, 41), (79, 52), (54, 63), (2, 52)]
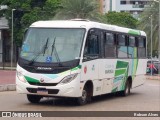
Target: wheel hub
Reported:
[(84, 95)]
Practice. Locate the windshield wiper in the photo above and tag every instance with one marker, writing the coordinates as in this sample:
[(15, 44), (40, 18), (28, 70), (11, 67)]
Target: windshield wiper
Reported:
[(53, 45), (56, 54), (46, 46), (42, 51)]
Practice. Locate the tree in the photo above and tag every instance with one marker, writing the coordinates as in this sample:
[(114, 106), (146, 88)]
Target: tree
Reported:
[(122, 19), (26, 12), (85, 9), (145, 24)]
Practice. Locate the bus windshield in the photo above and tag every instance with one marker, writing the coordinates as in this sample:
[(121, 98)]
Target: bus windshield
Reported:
[(51, 45)]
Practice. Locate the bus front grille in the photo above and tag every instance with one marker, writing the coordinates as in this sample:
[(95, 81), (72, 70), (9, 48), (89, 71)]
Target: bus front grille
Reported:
[(42, 84), (50, 91)]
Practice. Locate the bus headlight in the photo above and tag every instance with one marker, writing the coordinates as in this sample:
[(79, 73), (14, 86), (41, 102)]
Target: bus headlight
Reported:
[(68, 78), (21, 76)]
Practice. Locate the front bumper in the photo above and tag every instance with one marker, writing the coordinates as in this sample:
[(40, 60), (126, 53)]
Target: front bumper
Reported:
[(71, 89)]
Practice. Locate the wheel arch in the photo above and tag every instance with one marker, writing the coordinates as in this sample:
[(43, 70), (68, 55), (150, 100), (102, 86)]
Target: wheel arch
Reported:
[(89, 84)]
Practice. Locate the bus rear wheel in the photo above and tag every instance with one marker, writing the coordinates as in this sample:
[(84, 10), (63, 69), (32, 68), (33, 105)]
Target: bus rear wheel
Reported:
[(34, 98), (127, 89)]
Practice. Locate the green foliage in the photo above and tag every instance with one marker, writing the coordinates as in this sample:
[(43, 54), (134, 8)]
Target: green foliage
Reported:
[(122, 19), (27, 12), (145, 24), (83, 9)]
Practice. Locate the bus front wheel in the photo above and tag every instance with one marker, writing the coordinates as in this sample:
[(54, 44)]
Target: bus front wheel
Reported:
[(84, 98), (34, 98)]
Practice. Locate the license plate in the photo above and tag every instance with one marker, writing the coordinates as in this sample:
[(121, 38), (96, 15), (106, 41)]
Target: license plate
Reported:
[(42, 91)]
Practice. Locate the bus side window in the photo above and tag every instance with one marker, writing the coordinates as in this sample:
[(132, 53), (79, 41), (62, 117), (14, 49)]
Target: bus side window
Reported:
[(132, 41), (132, 48), (109, 45), (121, 47), (141, 47)]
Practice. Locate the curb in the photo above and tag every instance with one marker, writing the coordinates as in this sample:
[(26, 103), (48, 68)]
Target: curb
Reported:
[(153, 77), (8, 87)]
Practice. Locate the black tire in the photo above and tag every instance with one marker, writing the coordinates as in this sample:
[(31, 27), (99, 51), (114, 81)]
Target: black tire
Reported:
[(34, 98), (127, 89), (84, 98)]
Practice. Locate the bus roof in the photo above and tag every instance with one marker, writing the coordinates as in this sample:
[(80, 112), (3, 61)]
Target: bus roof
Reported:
[(79, 23)]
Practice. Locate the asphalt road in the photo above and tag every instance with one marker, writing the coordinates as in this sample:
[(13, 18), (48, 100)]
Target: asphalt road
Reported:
[(143, 98)]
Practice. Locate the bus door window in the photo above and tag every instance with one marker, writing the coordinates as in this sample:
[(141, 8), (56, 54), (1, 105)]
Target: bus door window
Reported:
[(93, 45), (92, 50)]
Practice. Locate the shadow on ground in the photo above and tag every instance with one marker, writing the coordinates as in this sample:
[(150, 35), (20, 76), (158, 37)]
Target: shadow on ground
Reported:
[(71, 102)]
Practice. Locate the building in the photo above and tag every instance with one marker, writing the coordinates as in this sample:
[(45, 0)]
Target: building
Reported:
[(105, 6), (132, 6), (4, 41)]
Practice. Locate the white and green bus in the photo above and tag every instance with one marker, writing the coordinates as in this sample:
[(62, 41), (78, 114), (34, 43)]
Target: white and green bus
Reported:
[(80, 59)]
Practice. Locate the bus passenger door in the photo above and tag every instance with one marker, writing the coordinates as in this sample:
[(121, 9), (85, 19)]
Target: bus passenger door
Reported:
[(90, 65)]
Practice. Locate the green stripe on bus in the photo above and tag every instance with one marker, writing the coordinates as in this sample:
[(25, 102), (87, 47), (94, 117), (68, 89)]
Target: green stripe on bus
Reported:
[(124, 80), (134, 32), (121, 64), (29, 79), (120, 72), (76, 68), (115, 89), (135, 68), (79, 66)]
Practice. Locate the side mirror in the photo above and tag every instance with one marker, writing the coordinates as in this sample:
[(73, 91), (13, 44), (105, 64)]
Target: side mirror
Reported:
[(25, 32)]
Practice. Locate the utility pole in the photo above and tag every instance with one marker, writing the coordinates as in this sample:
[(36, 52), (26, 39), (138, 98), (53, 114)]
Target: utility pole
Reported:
[(151, 46), (12, 40)]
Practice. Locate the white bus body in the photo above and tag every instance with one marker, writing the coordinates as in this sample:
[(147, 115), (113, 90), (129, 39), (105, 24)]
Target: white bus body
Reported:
[(105, 68)]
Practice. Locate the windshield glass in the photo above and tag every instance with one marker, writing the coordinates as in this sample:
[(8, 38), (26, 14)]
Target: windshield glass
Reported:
[(52, 45)]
